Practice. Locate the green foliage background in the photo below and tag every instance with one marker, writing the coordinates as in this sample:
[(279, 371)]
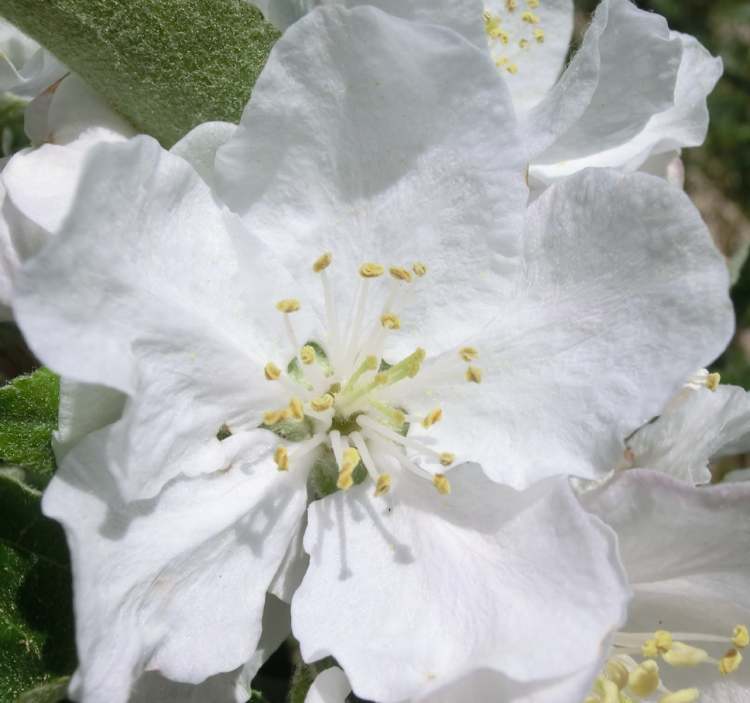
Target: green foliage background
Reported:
[(36, 623)]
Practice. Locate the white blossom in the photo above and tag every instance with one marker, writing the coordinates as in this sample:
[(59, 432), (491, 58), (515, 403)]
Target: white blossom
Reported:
[(703, 421), (25, 68), (685, 553), (633, 95)]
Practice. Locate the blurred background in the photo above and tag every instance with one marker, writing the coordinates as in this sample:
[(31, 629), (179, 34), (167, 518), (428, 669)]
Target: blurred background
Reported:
[(35, 611)]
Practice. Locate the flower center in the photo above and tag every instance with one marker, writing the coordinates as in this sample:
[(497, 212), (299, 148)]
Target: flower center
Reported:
[(632, 672), (512, 30), (345, 397)]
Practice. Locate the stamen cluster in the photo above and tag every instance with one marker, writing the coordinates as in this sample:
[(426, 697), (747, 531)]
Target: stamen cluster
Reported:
[(344, 396), (627, 680)]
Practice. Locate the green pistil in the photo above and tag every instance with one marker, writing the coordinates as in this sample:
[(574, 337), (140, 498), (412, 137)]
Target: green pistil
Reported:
[(395, 417), (369, 364), (406, 368), (345, 425)]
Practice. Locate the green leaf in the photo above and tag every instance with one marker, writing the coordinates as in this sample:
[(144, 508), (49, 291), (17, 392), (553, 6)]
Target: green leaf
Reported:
[(12, 135), (28, 417), (36, 619), (51, 692), (165, 65)]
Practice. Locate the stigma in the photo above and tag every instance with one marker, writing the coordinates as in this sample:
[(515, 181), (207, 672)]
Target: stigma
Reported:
[(347, 400), (639, 663)]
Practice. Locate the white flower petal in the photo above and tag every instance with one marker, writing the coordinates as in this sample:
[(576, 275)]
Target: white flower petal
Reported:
[(283, 13), (9, 261), (489, 685), (532, 50), (396, 143), (624, 296), (462, 16), (175, 584), (682, 440), (152, 289), (409, 593), (292, 568), (232, 687), (198, 147), (83, 409), (684, 124), (330, 686), (25, 68), (623, 74), (668, 166), (70, 110), (685, 551), (40, 185), (669, 531)]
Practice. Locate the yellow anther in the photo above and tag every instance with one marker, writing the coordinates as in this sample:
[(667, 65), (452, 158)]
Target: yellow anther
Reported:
[(730, 662), (530, 17), (432, 417), (663, 640), (307, 354), (533, 4), (323, 403), (419, 269), (712, 381), (390, 321), (447, 458), (272, 371), (371, 270), (288, 305), (592, 699), (400, 274), (274, 416), (296, 409), (281, 457), (345, 480), (511, 5), (512, 69), (684, 655), (442, 484), (493, 28), (370, 363), (607, 690), (491, 23), (380, 379), (644, 679), (740, 636), (468, 353), (538, 34), (524, 43), (322, 262), (474, 374), (383, 484), (617, 672), (684, 695), (350, 459)]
